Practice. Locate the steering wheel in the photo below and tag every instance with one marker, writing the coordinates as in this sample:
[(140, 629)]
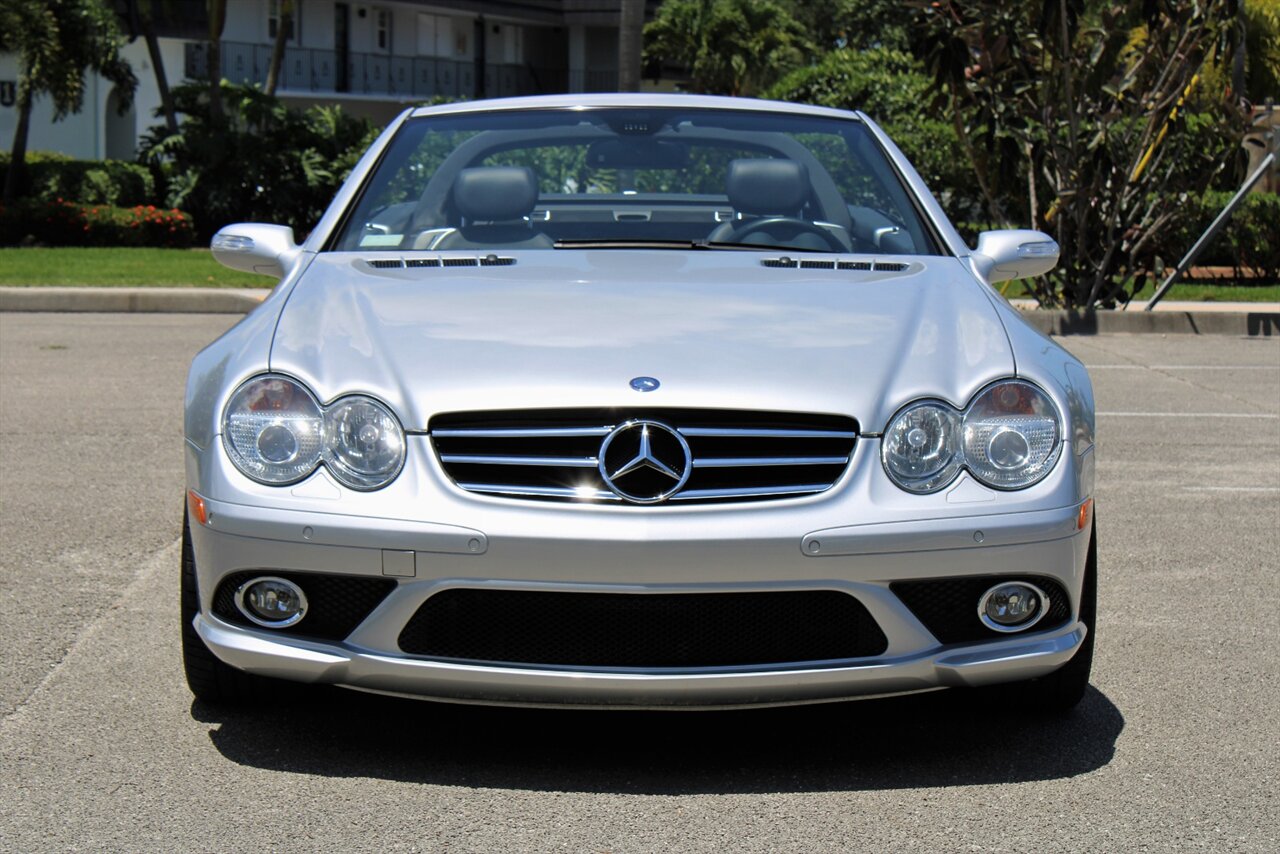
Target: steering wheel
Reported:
[(788, 228)]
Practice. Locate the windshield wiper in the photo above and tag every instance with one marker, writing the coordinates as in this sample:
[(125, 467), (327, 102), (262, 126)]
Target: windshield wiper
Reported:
[(768, 247), (627, 243), (639, 243)]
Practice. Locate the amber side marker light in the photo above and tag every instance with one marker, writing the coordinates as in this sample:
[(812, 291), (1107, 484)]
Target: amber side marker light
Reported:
[(195, 506), (1082, 522)]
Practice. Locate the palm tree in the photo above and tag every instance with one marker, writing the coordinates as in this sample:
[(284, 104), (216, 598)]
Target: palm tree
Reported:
[(142, 19), (730, 47), (283, 25), (217, 23), (57, 42), (630, 39)]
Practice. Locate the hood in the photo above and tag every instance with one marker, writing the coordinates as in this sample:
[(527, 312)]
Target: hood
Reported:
[(571, 328)]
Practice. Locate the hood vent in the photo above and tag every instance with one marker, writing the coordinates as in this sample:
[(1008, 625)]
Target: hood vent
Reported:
[(820, 264), (456, 261)]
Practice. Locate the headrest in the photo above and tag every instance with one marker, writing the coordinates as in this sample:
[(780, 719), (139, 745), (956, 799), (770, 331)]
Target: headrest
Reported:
[(760, 186), (495, 193)]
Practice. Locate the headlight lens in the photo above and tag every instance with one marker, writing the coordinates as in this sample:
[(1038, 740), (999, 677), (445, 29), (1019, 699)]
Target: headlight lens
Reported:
[(1008, 438), (921, 448), (276, 433), (273, 430), (1011, 435), (364, 442)]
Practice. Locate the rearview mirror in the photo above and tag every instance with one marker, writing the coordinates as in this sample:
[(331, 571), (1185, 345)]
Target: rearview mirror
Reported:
[(254, 247), (1014, 254), (636, 153)]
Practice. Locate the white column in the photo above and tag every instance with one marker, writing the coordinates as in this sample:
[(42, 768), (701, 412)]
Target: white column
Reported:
[(577, 58)]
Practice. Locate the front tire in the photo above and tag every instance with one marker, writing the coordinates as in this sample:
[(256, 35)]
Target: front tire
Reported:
[(209, 678), (1064, 688)]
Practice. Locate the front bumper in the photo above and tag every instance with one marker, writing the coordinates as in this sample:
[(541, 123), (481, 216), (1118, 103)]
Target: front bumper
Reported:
[(1004, 661), (515, 545)]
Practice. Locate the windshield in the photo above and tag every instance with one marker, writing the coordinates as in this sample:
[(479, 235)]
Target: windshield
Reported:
[(659, 177)]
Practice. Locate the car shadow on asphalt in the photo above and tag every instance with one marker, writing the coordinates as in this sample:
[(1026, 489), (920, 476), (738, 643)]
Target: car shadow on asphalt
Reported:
[(948, 738)]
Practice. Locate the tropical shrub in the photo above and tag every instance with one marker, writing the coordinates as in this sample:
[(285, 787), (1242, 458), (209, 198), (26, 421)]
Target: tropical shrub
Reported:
[(730, 47), (97, 182), (258, 161), (1072, 117), (891, 87)]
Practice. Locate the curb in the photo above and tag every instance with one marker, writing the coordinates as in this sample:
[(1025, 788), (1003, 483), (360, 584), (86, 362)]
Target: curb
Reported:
[(130, 300), (1264, 323), (1237, 323)]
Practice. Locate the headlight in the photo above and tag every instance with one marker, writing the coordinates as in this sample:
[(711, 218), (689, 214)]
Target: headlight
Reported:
[(1008, 438), (276, 433), (921, 448), (364, 445), (273, 430), (1011, 435)]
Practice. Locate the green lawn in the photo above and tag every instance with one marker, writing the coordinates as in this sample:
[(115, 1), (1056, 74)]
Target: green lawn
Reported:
[(107, 267), (1230, 292), (196, 268)]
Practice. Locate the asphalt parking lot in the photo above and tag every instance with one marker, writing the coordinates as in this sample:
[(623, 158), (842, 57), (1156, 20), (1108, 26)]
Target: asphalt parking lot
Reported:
[(102, 748)]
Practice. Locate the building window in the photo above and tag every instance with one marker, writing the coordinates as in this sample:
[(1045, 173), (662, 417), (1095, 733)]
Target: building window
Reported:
[(438, 36), (291, 21), (382, 30)]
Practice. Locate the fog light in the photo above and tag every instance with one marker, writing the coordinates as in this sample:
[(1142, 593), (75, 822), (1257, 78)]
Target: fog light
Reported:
[(1012, 607), (271, 602)]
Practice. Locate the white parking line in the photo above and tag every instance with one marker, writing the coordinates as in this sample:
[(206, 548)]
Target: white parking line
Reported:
[(1190, 414), (1185, 367), (1231, 488)]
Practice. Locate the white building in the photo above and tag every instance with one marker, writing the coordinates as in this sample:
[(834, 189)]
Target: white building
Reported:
[(372, 58)]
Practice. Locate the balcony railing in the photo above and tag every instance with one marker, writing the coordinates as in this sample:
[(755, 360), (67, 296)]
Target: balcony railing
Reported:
[(314, 70)]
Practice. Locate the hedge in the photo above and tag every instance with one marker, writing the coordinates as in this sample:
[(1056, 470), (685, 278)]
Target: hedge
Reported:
[(63, 223), (53, 176), (1250, 242)]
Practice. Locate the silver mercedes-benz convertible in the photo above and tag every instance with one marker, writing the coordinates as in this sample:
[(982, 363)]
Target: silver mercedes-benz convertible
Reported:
[(642, 401)]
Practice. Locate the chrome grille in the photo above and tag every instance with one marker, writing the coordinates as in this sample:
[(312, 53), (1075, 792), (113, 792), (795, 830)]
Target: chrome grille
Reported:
[(555, 454)]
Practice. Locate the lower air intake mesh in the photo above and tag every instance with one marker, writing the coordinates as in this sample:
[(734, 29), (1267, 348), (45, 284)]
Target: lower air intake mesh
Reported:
[(642, 630)]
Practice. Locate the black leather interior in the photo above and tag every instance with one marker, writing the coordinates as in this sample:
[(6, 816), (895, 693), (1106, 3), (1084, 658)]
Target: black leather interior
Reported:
[(493, 201), (495, 193), (768, 196), (767, 186)]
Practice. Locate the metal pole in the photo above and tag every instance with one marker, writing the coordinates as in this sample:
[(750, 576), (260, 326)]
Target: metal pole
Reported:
[(1212, 231)]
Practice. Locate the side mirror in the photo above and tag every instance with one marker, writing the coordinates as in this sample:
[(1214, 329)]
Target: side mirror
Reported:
[(1014, 254), (253, 247)]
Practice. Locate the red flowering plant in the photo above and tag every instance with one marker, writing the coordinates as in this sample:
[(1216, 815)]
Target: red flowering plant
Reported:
[(63, 223)]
